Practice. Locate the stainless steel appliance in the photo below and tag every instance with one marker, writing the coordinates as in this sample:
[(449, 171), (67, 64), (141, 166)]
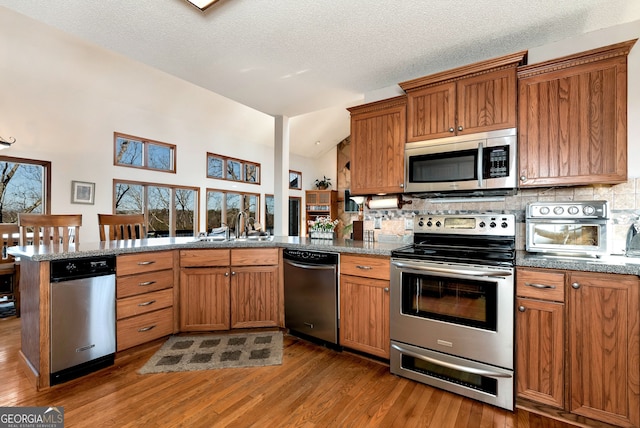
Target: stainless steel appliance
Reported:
[(83, 316), (568, 228), (311, 294), (480, 164), (452, 306)]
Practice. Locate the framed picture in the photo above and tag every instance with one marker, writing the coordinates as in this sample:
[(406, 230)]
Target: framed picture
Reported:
[(82, 192)]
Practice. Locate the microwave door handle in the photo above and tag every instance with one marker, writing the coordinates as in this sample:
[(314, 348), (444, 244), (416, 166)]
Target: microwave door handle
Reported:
[(479, 165)]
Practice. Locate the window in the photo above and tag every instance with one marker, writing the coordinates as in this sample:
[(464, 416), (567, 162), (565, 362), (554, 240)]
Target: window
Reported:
[(26, 187), (269, 213), (170, 210), (295, 180), (223, 207), (147, 154), (226, 168)]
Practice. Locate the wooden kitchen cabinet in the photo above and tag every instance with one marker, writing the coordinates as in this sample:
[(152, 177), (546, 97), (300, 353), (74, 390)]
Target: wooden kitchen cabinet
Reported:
[(222, 289), (145, 297), (255, 293), (475, 98), (364, 304), (573, 119), (540, 325), (378, 136), (320, 203), (604, 347)]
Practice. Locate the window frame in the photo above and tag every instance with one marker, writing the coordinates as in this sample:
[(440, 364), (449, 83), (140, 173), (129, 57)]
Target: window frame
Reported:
[(223, 217), (173, 212), (225, 168), (46, 186), (146, 142), (299, 174)]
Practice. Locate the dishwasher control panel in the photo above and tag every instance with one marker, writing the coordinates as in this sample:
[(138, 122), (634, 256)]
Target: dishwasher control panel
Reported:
[(86, 267)]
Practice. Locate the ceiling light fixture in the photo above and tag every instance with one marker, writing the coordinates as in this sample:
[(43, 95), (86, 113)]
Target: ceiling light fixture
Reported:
[(202, 4), (6, 143)]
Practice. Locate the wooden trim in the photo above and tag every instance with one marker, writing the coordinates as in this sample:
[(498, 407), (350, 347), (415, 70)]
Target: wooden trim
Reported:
[(598, 54), (400, 100), (475, 69)]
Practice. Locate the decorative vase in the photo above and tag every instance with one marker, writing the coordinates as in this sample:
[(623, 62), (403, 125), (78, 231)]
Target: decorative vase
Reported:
[(318, 234)]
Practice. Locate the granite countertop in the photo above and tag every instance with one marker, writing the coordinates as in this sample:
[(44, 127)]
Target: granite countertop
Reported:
[(606, 264), (45, 253)]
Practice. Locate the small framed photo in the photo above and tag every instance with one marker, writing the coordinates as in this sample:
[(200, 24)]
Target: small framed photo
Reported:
[(82, 192)]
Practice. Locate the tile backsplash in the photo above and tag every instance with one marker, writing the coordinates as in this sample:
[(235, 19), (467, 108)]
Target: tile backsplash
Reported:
[(624, 206)]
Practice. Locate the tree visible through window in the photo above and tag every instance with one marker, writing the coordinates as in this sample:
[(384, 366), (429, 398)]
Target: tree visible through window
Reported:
[(226, 168), (24, 187), (140, 153), (223, 208)]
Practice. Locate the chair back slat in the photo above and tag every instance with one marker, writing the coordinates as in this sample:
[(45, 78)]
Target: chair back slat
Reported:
[(115, 227), (49, 229), (9, 237)]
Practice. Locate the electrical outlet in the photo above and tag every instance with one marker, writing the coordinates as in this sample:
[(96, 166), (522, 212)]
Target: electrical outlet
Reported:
[(408, 223), (377, 222)]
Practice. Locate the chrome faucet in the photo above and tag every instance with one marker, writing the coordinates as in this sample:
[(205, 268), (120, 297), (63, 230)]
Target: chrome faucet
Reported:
[(239, 222)]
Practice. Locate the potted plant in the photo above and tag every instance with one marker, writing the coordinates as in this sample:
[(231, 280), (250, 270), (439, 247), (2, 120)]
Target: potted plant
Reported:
[(323, 184)]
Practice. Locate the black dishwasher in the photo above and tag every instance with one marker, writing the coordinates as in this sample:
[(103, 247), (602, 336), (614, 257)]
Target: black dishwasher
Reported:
[(311, 294), (83, 316)]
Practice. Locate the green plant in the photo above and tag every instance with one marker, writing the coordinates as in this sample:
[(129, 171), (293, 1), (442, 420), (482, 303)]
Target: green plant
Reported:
[(324, 183)]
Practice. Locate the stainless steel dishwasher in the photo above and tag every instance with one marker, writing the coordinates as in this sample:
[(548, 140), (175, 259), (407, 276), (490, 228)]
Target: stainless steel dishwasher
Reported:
[(311, 294), (83, 316)]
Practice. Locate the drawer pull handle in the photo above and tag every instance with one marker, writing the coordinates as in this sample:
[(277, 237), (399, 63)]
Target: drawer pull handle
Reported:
[(364, 267), (150, 302), (144, 284), (143, 329), (146, 263), (540, 286)]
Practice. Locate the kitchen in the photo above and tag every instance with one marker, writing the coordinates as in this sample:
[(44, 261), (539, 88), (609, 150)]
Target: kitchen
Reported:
[(619, 193)]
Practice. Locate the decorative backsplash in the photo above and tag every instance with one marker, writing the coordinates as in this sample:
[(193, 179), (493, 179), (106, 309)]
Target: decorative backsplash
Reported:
[(624, 205)]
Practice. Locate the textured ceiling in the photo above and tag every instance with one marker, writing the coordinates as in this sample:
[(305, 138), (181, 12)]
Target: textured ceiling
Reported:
[(293, 57)]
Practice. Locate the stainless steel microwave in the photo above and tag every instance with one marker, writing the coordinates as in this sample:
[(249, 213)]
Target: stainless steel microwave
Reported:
[(469, 163)]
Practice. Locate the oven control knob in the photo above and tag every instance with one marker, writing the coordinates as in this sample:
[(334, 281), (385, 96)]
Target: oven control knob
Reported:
[(482, 224), (558, 210), (420, 223), (573, 210), (504, 225), (544, 210), (438, 224), (492, 224), (429, 224), (589, 210)]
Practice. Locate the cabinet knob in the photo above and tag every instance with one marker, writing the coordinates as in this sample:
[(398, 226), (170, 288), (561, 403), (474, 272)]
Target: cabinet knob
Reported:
[(523, 178), (460, 128), (451, 129), (402, 185), (233, 273), (522, 308), (576, 285), (386, 289), (226, 274)]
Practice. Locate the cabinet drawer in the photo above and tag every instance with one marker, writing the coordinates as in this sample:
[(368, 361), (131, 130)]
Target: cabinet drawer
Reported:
[(254, 257), (144, 328), (144, 303), (204, 258), (144, 262), (144, 283), (540, 284), (366, 266)]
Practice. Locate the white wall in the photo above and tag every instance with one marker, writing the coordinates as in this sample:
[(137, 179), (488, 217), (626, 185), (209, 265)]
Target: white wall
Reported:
[(62, 99)]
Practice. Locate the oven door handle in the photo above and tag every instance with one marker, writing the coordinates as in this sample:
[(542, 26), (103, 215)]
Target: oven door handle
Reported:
[(457, 272), (453, 366)]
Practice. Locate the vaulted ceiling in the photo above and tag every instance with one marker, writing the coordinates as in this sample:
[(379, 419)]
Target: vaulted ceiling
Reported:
[(309, 59)]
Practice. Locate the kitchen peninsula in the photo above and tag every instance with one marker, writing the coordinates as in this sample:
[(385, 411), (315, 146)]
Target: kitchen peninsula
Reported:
[(36, 293)]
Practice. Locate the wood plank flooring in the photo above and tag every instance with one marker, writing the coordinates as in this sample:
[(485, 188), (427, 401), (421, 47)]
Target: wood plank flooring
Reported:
[(314, 387)]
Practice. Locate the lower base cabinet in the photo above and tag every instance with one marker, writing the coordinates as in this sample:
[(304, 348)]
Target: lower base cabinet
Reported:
[(582, 356)]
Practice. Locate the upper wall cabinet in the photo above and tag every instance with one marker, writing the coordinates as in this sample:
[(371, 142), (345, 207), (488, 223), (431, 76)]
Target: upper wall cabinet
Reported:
[(573, 119), (476, 98), (378, 136)]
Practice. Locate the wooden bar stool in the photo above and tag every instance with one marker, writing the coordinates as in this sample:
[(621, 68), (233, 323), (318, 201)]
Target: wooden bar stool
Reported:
[(49, 229), (9, 266), (121, 226)]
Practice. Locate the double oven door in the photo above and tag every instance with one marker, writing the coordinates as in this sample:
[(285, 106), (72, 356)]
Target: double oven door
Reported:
[(452, 326)]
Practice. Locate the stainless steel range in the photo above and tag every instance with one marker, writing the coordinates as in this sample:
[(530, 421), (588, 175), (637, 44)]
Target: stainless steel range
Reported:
[(452, 306)]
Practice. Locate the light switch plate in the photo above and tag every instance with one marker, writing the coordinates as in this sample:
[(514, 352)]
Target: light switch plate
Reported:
[(377, 222), (408, 223)]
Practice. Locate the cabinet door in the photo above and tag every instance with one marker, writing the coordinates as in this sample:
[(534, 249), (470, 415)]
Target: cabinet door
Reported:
[(604, 341), (254, 296), (378, 137), (486, 102), (431, 112), (204, 299), (540, 351), (364, 315), (572, 125)]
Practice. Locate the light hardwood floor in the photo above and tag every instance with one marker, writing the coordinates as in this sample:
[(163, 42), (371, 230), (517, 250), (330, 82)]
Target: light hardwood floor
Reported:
[(314, 387)]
